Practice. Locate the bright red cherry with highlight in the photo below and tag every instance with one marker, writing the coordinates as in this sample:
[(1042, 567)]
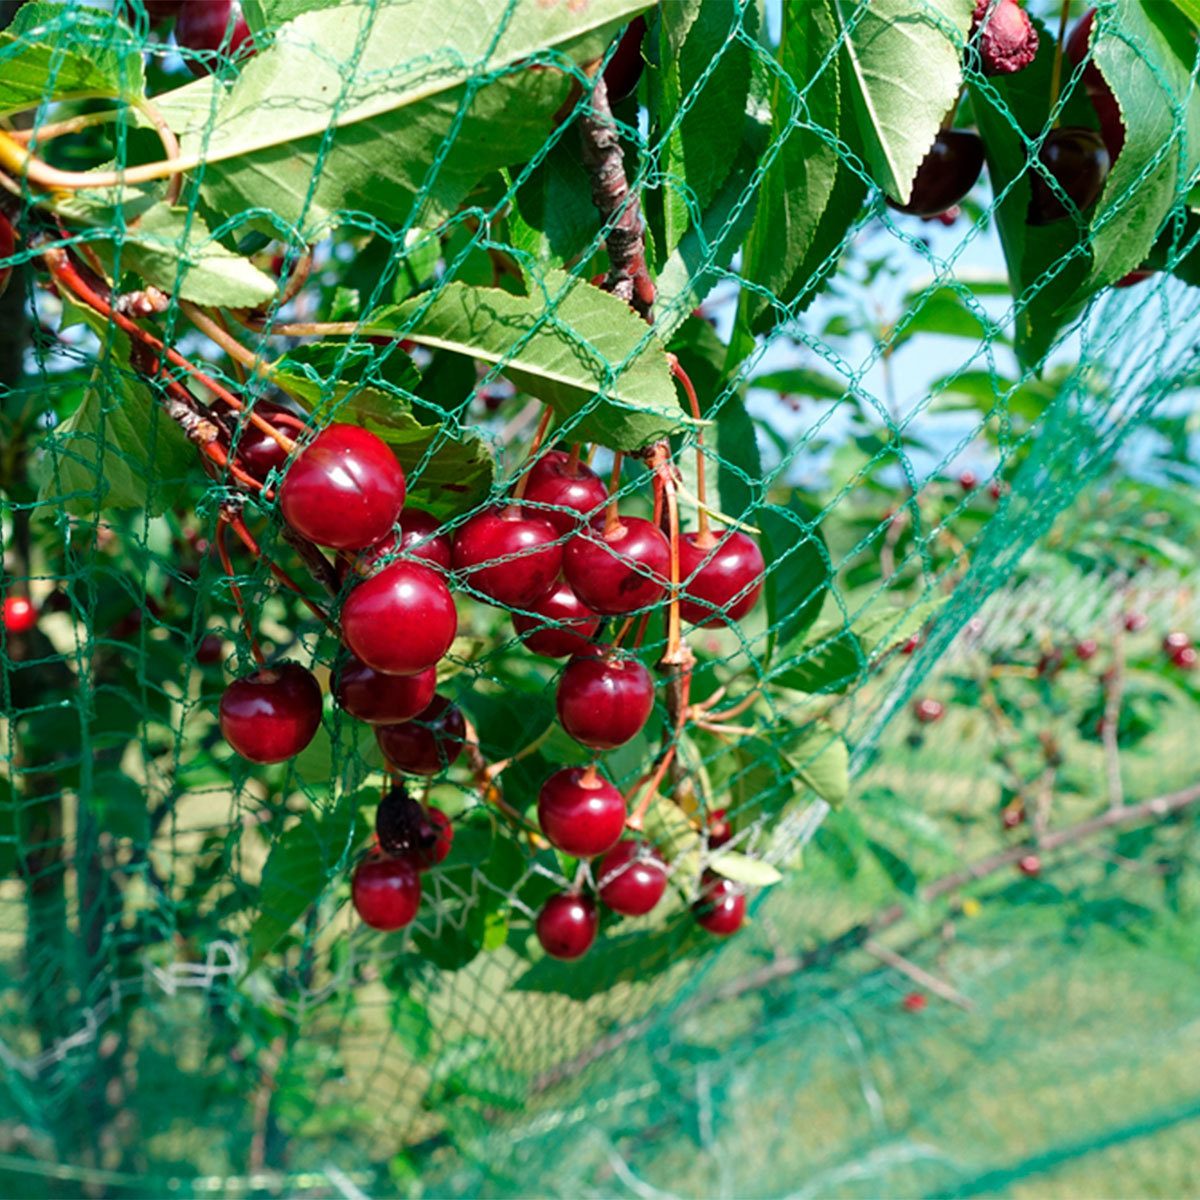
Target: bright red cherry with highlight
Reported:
[(575, 490), (272, 714), (1175, 640), (427, 744), (618, 570), (567, 924), (1186, 658), (212, 25), (386, 891), (721, 908), (631, 878), (381, 699), (345, 490), (401, 620), (513, 558), (603, 702), (721, 581), (581, 813), (257, 453), (558, 625), (421, 536), (20, 614), (928, 710)]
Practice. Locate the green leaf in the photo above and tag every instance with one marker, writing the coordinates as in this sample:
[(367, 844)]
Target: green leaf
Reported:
[(896, 869), (802, 381), (799, 571), (945, 311), (555, 219), (264, 16), (741, 868), (1190, 9), (822, 760)]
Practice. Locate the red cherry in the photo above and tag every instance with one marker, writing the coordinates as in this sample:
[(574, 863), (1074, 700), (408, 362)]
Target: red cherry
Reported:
[(720, 832), (381, 699), (1186, 658), (619, 570), (625, 67), (995, 490), (1175, 640), (345, 490), (914, 1002), (402, 620), (211, 650), (558, 625), (1008, 41), (927, 710), (566, 926), (430, 856), (631, 878), (912, 645), (1112, 127), (1087, 649), (1030, 865), (386, 891), (509, 556), (1012, 816), (968, 481), (576, 492), (212, 25), (20, 615), (421, 536), (427, 744), (257, 453), (721, 908), (581, 813), (8, 247), (1135, 621), (721, 581), (271, 714), (603, 702)]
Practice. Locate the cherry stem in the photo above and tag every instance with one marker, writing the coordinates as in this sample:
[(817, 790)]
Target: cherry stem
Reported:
[(590, 777), (235, 589), (539, 436), (638, 816), (297, 279), (489, 789), (612, 515), (1056, 70), (625, 628), (532, 748), (572, 467), (704, 537), (734, 710)]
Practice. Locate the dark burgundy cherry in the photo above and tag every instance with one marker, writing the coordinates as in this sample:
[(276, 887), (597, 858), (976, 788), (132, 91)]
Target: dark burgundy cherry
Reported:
[(272, 714), (511, 557), (581, 813), (566, 926), (927, 710), (621, 570), (211, 650), (212, 25), (558, 625), (1112, 128), (386, 891), (8, 247), (631, 878), (946, 174), (576, 491), (257, 452), (603, 702), (625, 67), (405, 828), (719, 582), (381, 699), (1175, 640), (1078, 160), (1186, 658), (1008, 42), (721, 908), (1087, 649), (401, 620), (428, 743), (1139, 275), (344, 490), (20, 614)]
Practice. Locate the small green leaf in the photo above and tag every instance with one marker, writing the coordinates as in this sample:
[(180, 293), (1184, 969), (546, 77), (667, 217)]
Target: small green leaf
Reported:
[(741, 868), (897, 870), (946, 311), (799, 571), (822, 760)]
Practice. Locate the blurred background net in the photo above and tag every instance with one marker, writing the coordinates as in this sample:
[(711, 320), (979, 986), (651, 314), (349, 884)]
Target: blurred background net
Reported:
[(187, 1005)]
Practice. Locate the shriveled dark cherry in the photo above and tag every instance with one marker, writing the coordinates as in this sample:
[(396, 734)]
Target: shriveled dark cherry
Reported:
[(721, 908), (1186, 658), (381, 699), (603, 702), (405, 828), (427, 744), (1087, 649), (257, 452), (620, 570), (386, 891), (271, 715), (625, 67), (211, 650), (401, 620), (212, 25), (946, 174), (1175, 640), (511, 557), (20, 614), (927, 710), (1008, 41), (8, 246), (1112, 128), (581, 813), (558, 625), (1030, 865), (575, 490), (631, 878), (345, 489), (721, 581), (567, 924), (1078, 160)]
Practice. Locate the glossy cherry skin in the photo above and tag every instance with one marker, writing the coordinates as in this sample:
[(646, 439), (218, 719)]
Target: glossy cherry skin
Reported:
[(566, 926), (1078, 160), (427, 744), (401, 620), (603, 702), (381, 699), (558, 625), (345, 490), (20, 614), (511, 557), (927, 710), (211, 650), (946, 174), (271, 714), (577, 493), (621, 571), (1112, 128), (8, 247), (386, 891), (431, 854), (720, 831), (421, 536), (258, 453), (581, 813), (212, 25), (721, 908), (631, 878), (625, 67), (721, 582)]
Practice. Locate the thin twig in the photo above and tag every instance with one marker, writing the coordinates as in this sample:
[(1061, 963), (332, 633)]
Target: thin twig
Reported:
[(919, 976)]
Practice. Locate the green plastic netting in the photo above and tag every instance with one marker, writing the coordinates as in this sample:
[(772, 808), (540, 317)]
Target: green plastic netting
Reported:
[(961, 446)]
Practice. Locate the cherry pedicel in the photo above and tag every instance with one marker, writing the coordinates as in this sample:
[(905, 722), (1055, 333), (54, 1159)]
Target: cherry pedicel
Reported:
[(574, 490), (381, 699), (631, 878), (345, 490), (427, 744), (558, 625), (620, 569), (721, 580), (1008, 41), (406, 828), (212, 25), (721, 908), (603, 702), (20, 614), (511, 557), (401, 620), (272, 714), (1078, 161), (566, 926), (386, 891), (927, 710), (946, 174), (580, 813)]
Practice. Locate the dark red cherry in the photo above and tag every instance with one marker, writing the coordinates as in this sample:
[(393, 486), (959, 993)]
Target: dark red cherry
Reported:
[(603, 702), (720, 831), (619, 570), (212, 25), (1078, 160), (575, 491), (386, 891), (511, 557), (1030, 865), (625, 67), (566, 926), (1136, 276), (946, 174), (401, 620), (272, 714), (928, 710), (1135, 621), (405, 828), (8, 247), (160, 11), (421, 536), (721, 908), (211, 650), (721, 581), (558, 625), (344, 490), (1013, 815), (1185, 658), (1112, 128), (381, 699), (1087, 649), (258, 453), (1008, 42), (20, 614), (631, 878), (968, 481), (1175, 640), (427, 744), (430, 854), (581, 813)]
